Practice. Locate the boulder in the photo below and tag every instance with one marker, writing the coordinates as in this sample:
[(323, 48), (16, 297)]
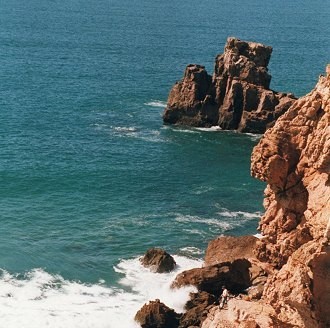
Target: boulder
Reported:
[(236, 97), (156, 314), (234, 275), (158, 260)]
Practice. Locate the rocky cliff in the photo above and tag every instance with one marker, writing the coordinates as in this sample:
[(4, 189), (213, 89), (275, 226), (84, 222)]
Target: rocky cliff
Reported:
[(294, 159), (237, 96), (283, 279)]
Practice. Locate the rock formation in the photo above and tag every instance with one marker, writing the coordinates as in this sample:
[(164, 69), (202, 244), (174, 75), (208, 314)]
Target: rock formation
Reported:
[(235, 275), (157, 315), (197, 309), (158, 260), (293, 158), (287, 271), (236, 97)]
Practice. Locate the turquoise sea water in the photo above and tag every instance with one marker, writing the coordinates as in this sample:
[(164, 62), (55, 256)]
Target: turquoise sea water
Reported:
[(90, 178)]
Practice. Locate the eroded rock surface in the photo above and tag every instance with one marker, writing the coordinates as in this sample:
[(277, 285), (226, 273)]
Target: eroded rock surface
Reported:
[(237, 96), (293, 158)]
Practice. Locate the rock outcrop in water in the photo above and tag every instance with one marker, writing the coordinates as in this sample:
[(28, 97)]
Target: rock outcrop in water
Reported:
[(289, 267), (156, 314), (158, 260), (237, 97)]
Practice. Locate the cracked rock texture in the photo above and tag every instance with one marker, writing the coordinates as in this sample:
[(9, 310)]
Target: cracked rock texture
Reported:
[(293, 158)]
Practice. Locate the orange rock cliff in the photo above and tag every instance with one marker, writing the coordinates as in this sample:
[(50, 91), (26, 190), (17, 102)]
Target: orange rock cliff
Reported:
[(293, 158), (283, 279)]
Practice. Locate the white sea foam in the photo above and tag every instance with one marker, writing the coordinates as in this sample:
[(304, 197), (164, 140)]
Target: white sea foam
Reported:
[(259, 236), (211, 129), (124, 129), (183, 130), (156, 103), (44, 300), (201, 190), (254, 136), (191, 250), (240, 214), (208, 221)]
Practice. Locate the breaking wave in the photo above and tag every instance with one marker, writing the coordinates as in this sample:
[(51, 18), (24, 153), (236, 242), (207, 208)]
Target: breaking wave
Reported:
[(41, 299)]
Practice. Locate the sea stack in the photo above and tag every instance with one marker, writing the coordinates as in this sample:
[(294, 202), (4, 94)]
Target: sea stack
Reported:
[(236, 97)]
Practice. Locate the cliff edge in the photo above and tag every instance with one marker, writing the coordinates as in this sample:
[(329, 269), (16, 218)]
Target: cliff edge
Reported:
[(293, 158)]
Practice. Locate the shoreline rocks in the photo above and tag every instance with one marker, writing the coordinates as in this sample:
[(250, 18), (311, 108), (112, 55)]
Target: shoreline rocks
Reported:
[(158, 260), (234, 275), (156, 314), (236, 97)]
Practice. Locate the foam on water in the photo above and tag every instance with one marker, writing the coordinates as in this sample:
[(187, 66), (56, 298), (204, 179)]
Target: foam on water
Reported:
[(191, 250), (254, 136), (156, 103), (202, 189), (125, 129), (211, 129), (40, 299), (208, 221), (259, 235), (244, 215)]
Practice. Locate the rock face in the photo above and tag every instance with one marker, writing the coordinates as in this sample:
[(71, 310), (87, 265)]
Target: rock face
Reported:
[(235, 275), (293, 158), (158, 260), (227, 248), (236, 97), (157, 315)]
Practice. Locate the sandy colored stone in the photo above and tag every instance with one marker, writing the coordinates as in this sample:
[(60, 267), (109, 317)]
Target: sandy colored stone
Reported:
[(228, 248)]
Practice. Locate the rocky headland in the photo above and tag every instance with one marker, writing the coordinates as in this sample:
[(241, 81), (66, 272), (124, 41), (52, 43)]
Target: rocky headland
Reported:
[(282, 279), (236, 97)]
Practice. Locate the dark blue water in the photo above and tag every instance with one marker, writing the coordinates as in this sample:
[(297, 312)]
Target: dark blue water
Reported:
[(89, 175)]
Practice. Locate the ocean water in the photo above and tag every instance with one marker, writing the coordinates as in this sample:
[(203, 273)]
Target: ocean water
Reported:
[(91, 178)]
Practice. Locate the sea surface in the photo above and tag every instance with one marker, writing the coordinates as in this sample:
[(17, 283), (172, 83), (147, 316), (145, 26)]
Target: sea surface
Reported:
[(90, 178)]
